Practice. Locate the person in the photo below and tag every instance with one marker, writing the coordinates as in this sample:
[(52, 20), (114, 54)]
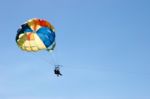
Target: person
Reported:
[(57, 71)]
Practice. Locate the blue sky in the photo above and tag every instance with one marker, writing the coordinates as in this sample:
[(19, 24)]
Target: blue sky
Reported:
[(103, 46)]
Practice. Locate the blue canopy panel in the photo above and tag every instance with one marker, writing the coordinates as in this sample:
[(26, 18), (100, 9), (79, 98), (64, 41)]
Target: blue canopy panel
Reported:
[(46, 35)]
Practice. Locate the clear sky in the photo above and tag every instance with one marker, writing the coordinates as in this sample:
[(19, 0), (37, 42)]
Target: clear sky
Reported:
[(103, 45)]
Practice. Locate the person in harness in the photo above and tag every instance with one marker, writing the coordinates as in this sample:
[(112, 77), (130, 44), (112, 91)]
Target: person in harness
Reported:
[(57, 70)]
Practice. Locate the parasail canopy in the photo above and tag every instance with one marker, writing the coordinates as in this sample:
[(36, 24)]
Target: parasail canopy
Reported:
[(35, 35)]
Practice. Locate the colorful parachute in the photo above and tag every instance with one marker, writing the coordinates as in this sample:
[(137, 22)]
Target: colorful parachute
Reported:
[(36, 34)]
